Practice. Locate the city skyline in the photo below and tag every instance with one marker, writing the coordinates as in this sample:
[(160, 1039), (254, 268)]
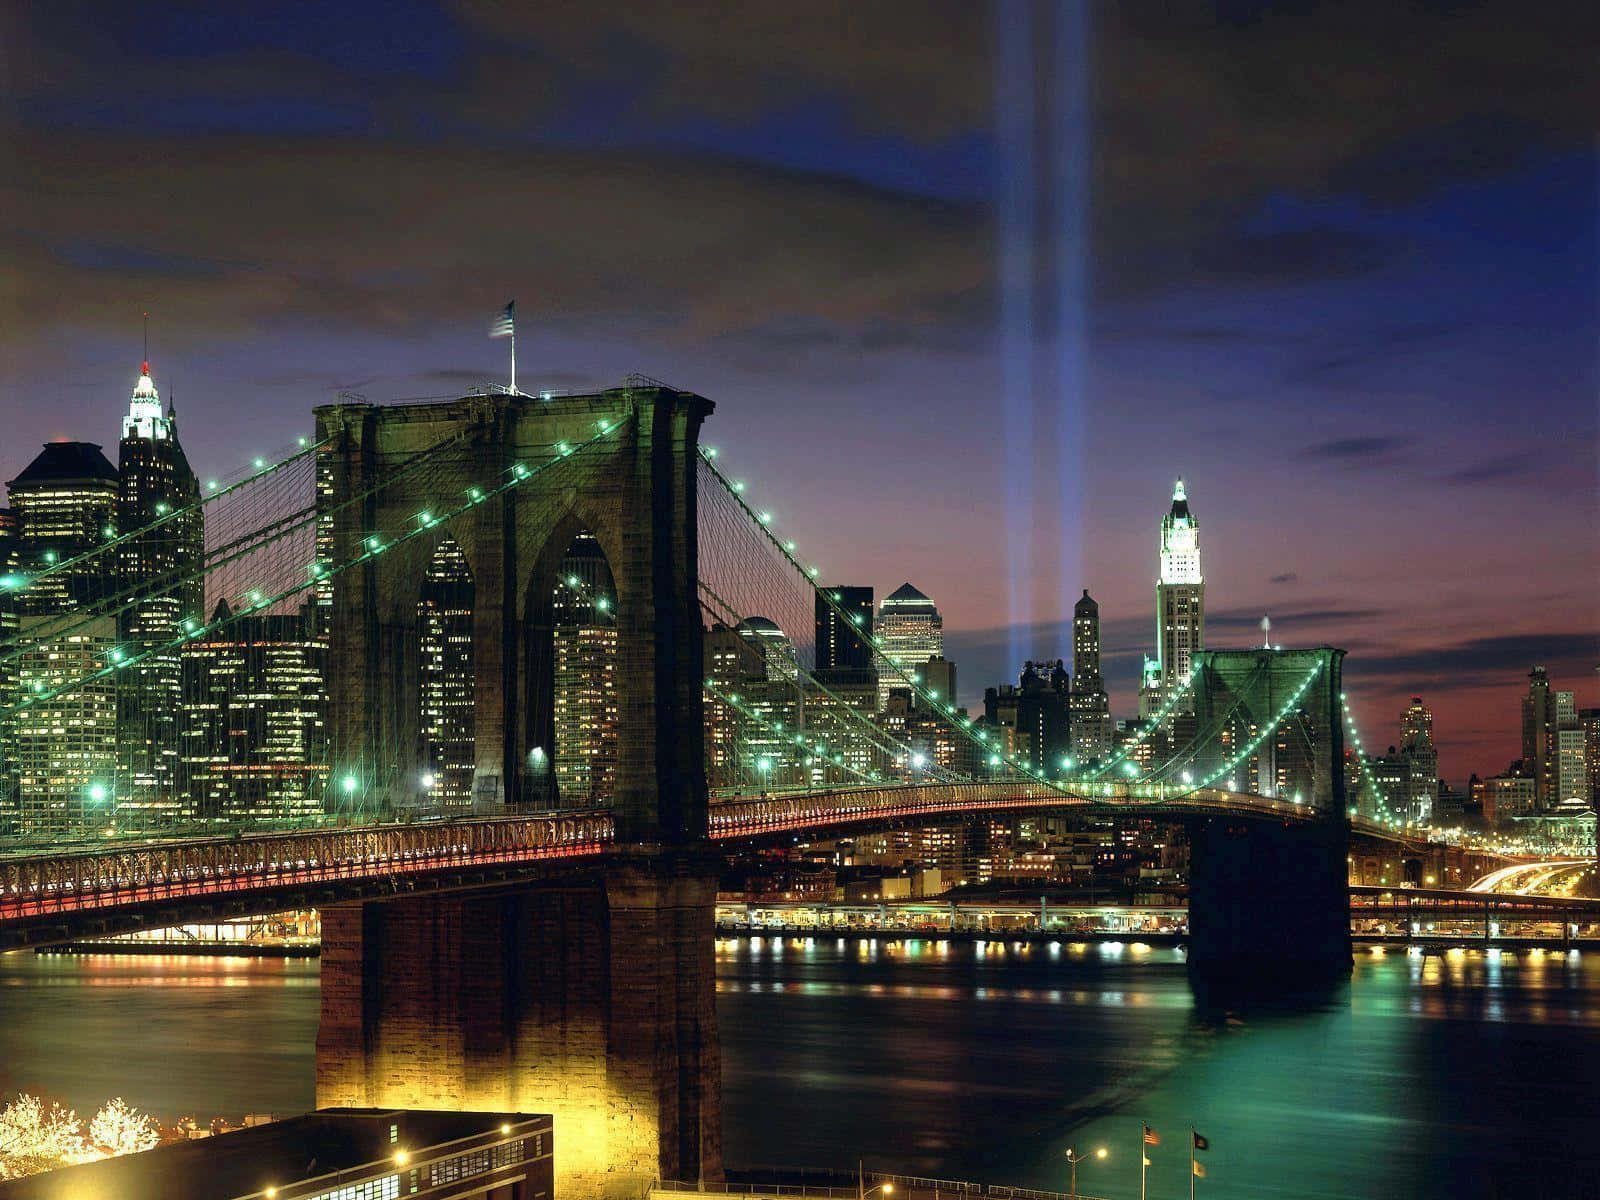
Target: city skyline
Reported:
[(1308, 313), (1126, 661)]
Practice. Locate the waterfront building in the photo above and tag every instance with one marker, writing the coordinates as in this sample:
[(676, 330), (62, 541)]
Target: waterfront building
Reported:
[(1573, 792), (252, 726), (160, 554), (1509, 796), (1091, 729), (584, 638), (63, 749), (447, 682), (910, 631)]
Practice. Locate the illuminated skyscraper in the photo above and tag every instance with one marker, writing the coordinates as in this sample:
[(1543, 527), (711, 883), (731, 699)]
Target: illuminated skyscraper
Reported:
[(159, 562), (1092, 732), (447, 682), (585, 675), (8, 664), (1422, 757), (64, 749), (1180, 593), (910, 631), (253, 725)]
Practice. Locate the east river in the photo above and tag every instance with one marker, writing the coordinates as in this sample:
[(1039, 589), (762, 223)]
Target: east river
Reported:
[(1469, 1075)]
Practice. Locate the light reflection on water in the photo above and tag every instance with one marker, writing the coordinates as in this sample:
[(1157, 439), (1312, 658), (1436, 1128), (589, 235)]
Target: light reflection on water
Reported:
[(1448, 1076), (1463, 1075)]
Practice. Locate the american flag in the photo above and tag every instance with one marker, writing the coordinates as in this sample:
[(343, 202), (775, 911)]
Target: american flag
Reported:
[(505, 325), (1151, 1137)]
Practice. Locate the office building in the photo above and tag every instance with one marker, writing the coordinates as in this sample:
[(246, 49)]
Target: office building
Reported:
[(1092, 732), (584, 654), (1422, 760), (159, 556), (844, 633), (910, 631), (63, 748), (252, 726), (447, 681), (1036, 710), (1180, 594), (1539, 728)]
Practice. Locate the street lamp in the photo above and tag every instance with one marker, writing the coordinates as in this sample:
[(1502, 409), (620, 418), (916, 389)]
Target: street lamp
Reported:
[(1074, 1158), (863, 1191)]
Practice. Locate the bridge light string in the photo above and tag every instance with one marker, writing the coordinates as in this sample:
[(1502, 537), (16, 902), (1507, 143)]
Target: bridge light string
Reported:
[(1144, 734), (880, 739), (1267, 730), (1388, 816), (165, 515), (1189, 754), (252, 541), (371, 547), (1086, 788), (816, 744)]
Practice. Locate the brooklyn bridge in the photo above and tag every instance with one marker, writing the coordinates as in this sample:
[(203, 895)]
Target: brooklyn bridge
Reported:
[(507, 946)]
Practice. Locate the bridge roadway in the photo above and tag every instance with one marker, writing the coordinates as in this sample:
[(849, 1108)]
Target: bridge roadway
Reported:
[(51, 897)]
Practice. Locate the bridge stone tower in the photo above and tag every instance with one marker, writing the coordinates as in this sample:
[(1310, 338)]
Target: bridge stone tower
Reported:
[(591, 998), (1269, 902)]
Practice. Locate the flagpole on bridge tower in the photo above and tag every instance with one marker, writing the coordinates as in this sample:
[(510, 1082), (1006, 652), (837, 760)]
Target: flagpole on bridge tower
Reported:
[(505, 326)]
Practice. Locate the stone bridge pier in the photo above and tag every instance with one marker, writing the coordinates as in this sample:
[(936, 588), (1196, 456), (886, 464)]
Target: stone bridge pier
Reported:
[(1269, 904), (591, 999), (590, 996)]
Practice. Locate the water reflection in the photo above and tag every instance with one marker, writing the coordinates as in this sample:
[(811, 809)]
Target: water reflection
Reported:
[(1457, 1076)]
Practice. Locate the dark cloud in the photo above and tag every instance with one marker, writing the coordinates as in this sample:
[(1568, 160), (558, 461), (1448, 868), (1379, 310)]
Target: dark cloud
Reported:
[(1498, 660), (1352, 449), (1282, 618), (1288, 257), (1503, 468)]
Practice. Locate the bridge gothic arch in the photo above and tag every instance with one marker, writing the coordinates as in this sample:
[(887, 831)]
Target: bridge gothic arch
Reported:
[(621, 464)]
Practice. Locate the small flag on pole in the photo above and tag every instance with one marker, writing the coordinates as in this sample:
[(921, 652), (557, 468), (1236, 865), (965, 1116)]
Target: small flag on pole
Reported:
[(1151, 1137), (505, 325), (1199, 1170), (1201, 1142)]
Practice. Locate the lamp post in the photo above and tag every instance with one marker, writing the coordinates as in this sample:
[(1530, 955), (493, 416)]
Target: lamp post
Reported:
[(1074, 1158), (863, 1191)]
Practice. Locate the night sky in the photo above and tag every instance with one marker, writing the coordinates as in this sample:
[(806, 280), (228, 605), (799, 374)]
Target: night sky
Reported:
[(973, 285)]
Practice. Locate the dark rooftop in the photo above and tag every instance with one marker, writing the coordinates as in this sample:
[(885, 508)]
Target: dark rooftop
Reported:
[(280, 1154), (60, 462)]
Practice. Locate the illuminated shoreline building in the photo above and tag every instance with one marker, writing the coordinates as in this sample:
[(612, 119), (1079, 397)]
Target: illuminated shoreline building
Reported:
[(910, 631), (63, 749), (159, 561)]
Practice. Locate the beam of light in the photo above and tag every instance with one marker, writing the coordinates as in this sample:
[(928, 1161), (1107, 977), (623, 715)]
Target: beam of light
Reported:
[(1071, 234), (1015, 219)]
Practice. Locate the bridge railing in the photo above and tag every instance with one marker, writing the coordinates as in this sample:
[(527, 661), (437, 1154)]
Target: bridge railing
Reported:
[(81, 881), (776, 813)]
